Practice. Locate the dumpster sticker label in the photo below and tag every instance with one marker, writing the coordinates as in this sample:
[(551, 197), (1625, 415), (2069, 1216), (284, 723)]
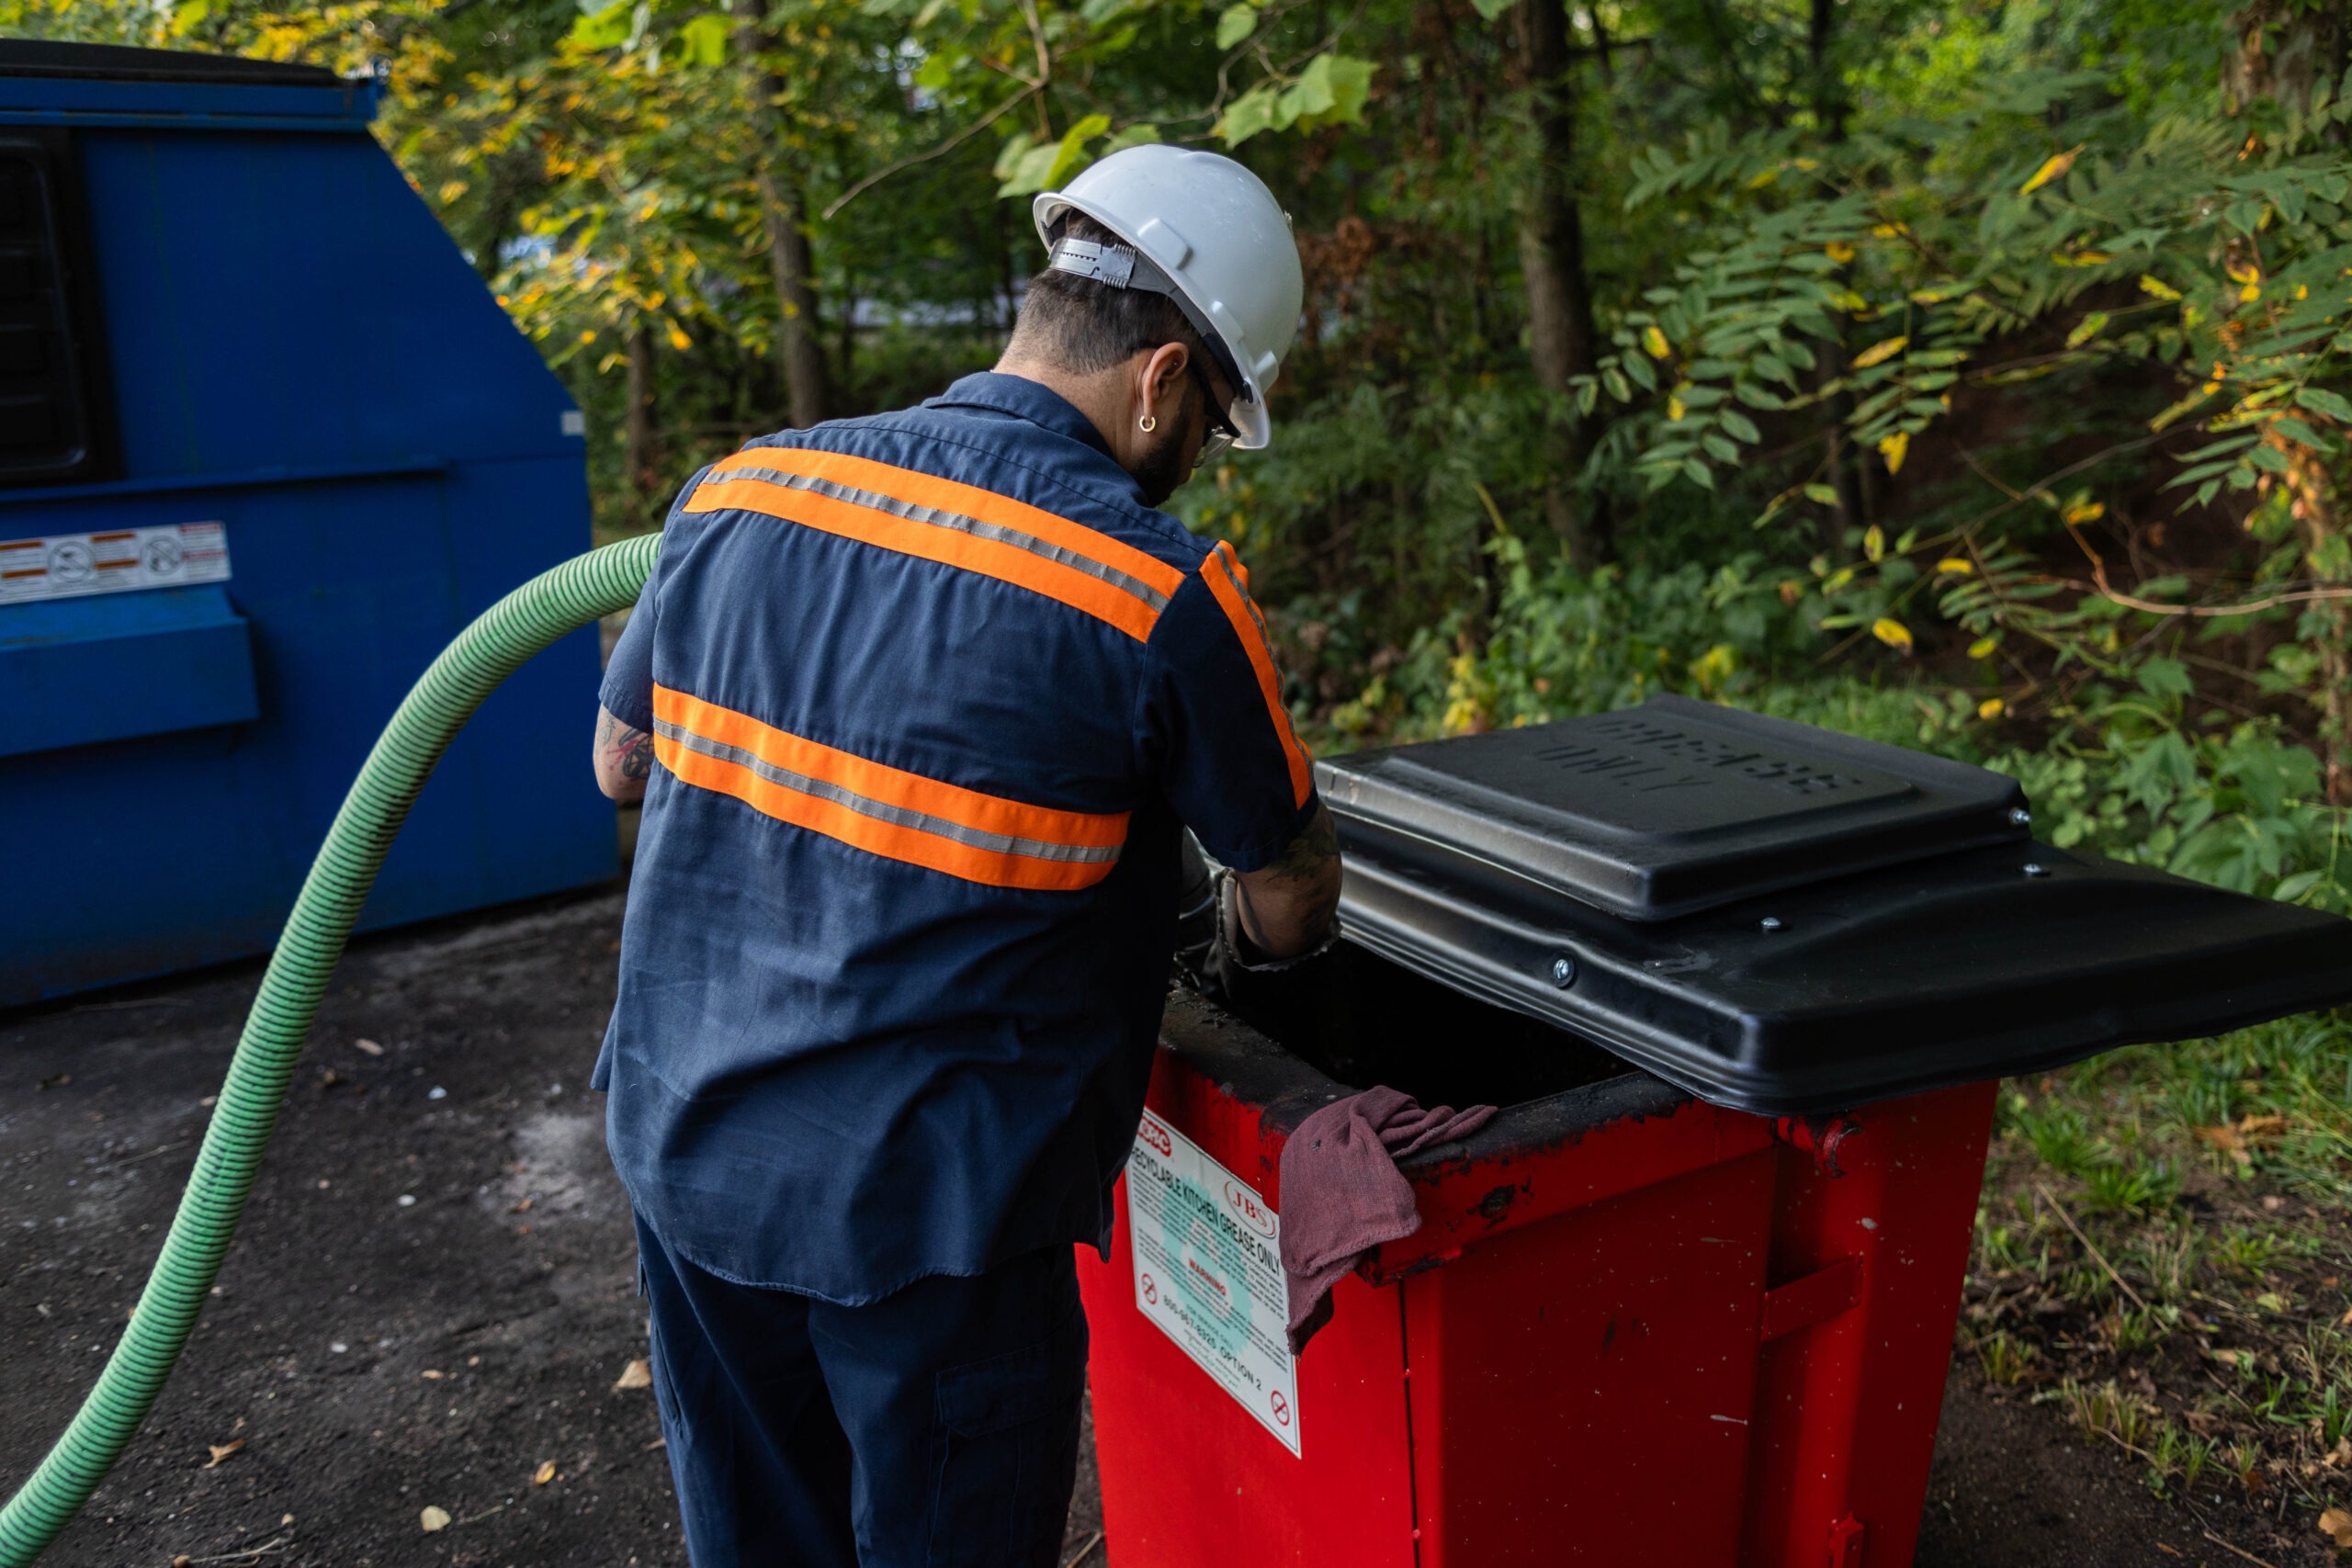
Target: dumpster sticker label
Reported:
[(1209, 1273), (66, 566)]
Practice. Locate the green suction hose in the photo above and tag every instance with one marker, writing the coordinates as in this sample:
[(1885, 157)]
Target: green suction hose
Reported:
[(484, 654)]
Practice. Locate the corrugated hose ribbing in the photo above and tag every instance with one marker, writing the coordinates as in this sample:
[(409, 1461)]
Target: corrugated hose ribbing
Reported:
[(468, 671)]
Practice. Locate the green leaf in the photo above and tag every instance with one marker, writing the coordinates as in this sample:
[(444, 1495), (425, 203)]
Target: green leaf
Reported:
[(1332, 90), (607, 27), (1009, 157), (1139, 135), (1698, 473), (1237, 23), (2322, 401), (1821, 494), (1042, 168), (1491, 9), (1248, 115), (2294, 429), (706, 39), (2166, 678), (1738, 425), (188, 16)]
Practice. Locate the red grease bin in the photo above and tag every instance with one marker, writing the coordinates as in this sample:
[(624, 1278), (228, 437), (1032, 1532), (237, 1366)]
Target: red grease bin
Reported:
[(1633, 1327), (1742, 988)]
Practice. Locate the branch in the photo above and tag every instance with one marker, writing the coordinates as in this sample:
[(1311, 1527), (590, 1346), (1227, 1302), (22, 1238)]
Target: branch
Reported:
[(875, 178)]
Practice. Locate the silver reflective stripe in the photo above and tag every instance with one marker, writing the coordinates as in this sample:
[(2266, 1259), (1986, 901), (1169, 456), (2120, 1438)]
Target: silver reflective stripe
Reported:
[(898, 816), (958, 523)]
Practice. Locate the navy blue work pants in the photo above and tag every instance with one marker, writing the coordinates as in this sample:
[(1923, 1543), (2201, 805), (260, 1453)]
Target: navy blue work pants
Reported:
[(934, 1429)]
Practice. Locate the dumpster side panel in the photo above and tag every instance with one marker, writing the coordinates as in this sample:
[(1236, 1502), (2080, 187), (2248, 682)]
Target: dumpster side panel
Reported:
[(1848, 1395), (1189, 1479), (1582, 1386), (301, 354)]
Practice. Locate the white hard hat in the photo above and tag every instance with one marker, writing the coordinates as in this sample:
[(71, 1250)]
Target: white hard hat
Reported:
[(1210, 236)]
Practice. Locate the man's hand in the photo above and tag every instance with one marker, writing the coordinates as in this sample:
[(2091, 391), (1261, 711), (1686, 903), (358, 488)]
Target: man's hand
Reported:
[(1286, 907), (624, 757)]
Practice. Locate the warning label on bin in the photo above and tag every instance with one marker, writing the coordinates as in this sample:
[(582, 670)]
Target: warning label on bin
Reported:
[(65, 565), (1209, 1273)]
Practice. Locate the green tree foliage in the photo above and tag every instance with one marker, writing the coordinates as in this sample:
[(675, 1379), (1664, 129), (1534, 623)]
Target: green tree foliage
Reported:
[(1971, 374)]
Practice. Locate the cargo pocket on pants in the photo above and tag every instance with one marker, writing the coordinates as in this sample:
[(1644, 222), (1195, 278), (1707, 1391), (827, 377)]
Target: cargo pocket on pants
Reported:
[(1006, 1453)]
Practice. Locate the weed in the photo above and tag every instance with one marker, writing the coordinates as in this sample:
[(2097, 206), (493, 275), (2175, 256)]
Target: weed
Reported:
[(2007, 1359), (2106, 1411), (2130, 1332), (2246, 1253), (2177, 1456), (2134, 1188), (2059, 1133)]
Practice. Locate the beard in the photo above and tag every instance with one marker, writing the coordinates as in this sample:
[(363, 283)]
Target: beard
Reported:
[(1158, 471)]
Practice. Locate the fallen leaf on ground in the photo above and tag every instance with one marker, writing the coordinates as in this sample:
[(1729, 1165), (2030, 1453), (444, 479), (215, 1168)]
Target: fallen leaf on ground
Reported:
[(2273, 1203), (524, 1207), (545, 1473), (637, 1374), (221, 1452), (2336, 1524), (435, 1373), (370, 1046), (2340, 1455), (433, 1518), (2271, 1300)]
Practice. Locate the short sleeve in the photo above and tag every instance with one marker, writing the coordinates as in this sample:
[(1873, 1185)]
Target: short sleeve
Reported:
[(1213, 724), (627, 691)]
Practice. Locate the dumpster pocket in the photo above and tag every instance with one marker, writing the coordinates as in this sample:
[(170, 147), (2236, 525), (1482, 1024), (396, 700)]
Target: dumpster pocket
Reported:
[(1007, 1451)]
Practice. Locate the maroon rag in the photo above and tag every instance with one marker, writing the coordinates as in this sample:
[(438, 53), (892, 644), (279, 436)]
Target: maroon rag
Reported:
[(1342, 1194)]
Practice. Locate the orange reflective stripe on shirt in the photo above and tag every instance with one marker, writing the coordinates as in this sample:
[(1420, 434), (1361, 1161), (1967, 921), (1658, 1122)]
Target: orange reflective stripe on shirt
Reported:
[(1223, 573), (885, 810), (953, 523)]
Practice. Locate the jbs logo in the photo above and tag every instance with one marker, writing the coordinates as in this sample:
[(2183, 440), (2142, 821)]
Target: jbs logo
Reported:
[(1155, 1135), (1248, 1210)]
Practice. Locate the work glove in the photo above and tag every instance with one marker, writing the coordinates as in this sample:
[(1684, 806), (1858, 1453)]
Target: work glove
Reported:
[(1213, 952)]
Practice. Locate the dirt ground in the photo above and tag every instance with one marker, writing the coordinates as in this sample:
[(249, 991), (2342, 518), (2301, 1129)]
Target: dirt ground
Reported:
[(431, 1298)]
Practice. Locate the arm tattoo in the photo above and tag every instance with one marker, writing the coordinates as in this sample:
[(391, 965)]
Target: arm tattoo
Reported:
[(1310, 854), (631, 748)]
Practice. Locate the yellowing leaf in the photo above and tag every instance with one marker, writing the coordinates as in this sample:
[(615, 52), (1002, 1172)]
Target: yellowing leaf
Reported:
[(2250, 293), (1674, 408), (2242, 272), (1893, 633), (1894, 450), (1991, 707), (1875, 542), (1956, 567), (679, 340), (1879, 353), (2089, 327), (1654, 340), (2082, 512), (1888, 230), (1839, 250), (221, 1452), (2051, 169), (430, 1518), (2156, 288), (545, 1473), (1984, 647), (1757, 182), (637, 1374)]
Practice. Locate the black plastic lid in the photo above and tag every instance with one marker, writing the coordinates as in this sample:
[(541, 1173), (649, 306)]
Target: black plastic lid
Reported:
[(1669, 809), (117, 62), (1828, 990)]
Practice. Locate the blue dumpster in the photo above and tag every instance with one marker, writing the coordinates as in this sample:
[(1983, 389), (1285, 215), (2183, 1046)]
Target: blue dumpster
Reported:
[(266, 444)]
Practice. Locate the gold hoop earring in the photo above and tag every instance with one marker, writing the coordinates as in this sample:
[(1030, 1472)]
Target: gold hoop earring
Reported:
[(1147, 423)]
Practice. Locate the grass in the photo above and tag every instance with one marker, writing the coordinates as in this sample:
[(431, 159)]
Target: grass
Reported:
[(2214, 1179)]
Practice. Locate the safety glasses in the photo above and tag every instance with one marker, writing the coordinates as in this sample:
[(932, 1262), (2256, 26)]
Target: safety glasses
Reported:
[(1222, 434)]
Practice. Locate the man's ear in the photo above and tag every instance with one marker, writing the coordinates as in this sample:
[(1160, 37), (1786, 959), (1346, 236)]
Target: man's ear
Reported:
[(1161, 375)]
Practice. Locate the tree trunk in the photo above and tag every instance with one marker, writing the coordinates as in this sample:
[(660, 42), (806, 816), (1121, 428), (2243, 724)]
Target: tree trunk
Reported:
[(2280, 50), (783, 208), (1551, 259), (637, 423)]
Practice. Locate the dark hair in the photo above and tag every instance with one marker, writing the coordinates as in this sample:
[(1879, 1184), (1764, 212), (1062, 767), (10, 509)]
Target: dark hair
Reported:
[(1086, 326)]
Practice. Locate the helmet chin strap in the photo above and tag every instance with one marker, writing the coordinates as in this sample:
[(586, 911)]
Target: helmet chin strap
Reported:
[(1124, 266)]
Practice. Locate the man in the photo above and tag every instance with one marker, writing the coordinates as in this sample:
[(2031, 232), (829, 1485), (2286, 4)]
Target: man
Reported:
[(919, 707)]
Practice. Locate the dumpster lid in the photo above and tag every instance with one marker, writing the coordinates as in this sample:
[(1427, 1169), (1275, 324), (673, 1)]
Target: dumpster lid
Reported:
[(1818, 991), (1667, 808), (117, 62)]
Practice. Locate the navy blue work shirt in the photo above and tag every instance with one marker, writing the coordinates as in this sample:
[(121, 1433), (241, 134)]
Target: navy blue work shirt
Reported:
[(932, 693)]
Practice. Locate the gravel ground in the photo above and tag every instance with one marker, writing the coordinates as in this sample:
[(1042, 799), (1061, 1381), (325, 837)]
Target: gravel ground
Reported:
[(432, 1301)]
